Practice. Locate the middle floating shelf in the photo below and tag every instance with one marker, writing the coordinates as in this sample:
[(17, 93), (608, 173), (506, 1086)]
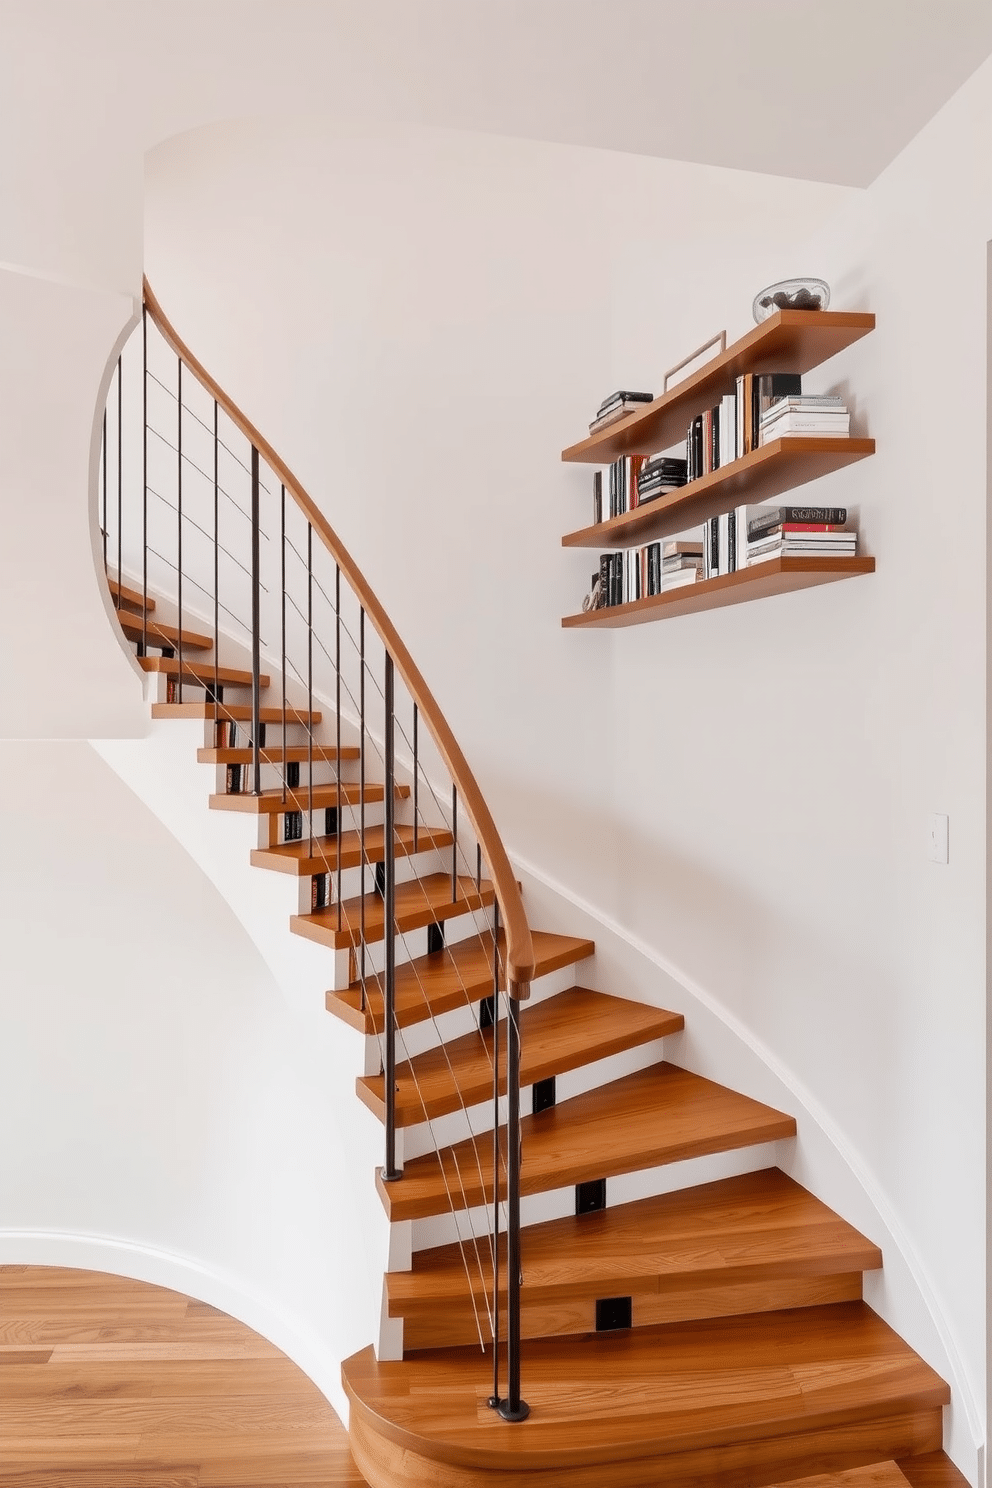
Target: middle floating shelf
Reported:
[(761, 476)]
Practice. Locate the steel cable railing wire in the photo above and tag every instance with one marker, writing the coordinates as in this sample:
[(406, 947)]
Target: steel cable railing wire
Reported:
[(465, 801)]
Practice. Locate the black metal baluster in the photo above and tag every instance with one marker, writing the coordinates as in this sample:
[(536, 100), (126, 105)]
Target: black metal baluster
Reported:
[(120, 484), (282, 564), (144, 480), (416, 779), (494, 1399), (216, 564), (454, 843), (337, 722), (361, 795), (478, 867), (179, 520), (310, 677), (103, 519), (390, 1171), (513, 1408), (256, 643)]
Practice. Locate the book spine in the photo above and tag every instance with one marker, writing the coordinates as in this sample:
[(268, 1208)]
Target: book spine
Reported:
[(604, 579), (597, 496), (731, 520), (715, 438)]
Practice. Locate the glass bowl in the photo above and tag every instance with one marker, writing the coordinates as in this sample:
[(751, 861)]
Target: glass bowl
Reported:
[(791, 294)]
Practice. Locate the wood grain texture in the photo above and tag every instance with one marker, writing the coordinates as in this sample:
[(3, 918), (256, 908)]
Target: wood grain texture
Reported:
[(296, 857), (777, 576), (559, 1034), (788, 341), (463, 973), (323, 754), (472, 803), (236, 712), (874, 1475), (678, 1255), (129, 595), (160, 634), (203, 673), (733, 1385), (663, 1113), (419, 902), (301, 798), (932, 1470), (762, 475), (139, 1387)]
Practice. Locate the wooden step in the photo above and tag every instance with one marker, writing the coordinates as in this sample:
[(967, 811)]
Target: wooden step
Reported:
[(323, 754), (874, 1475), (931, 1470), (743, 1244), (129, 596), (556, 1035), (448, 979), (419, 902), (160, 634), (205, 675), (659, 1115), (296, 857), (301, 798), (743, 1401), (234, 712)]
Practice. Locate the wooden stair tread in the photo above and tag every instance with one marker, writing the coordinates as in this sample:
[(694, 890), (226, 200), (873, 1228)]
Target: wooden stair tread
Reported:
[(873, 1475), (274, 754), (661, 1391), (730, 1230), (664, 1113), (300, 798), (419, 902), (931, 1470), (134, 627), (130, 596), (204, 674), (297, 858), (234, 712), (561, 1033), (463, 973)]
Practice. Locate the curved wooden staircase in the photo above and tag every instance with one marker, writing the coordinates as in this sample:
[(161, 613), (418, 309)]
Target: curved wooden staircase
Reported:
[(714, 1333)]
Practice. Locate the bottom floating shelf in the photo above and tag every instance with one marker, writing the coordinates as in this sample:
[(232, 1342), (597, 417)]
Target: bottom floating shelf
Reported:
[(777, 576)]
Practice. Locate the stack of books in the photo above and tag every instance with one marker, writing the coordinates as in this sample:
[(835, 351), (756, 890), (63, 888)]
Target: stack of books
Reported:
[(658, 474), (639, 573), (617, 406), (807, 414), (799, 531), (682, 563), (732, 427)]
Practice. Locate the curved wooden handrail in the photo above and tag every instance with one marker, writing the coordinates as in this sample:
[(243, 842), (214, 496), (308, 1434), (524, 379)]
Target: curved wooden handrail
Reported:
[(519, 944)]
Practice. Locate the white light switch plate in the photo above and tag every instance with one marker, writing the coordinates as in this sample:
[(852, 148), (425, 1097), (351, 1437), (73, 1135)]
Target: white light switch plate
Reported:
[(937, 839)]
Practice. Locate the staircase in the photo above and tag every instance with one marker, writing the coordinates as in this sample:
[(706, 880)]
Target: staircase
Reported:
[(709, 1333)]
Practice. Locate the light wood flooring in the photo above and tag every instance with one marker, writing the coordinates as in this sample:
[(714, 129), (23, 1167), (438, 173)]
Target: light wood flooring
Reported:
[(111, 1383)]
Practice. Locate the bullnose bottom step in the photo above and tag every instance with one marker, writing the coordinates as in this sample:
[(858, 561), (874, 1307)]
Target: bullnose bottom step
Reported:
[(745, 1402)]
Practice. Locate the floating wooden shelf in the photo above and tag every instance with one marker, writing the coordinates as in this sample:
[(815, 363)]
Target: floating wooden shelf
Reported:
[(763, 475), (789, 341), (777, 576)]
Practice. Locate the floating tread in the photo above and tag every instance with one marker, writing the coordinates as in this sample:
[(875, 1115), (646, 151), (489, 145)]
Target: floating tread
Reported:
[(160, 634), (233, 712), (463, 973), (419, 902), (932, 1470), (874, 1475), (686, 1254), (206, 675), (323, 754), (296, 857), (743, 1400), (300, 798), (129, 596), (659, 1115), (561, 1033)]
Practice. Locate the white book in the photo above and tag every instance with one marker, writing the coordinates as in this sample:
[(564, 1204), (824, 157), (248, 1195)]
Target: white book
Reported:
[(728, 429), (723, 542), (812, 428), (680, 579)]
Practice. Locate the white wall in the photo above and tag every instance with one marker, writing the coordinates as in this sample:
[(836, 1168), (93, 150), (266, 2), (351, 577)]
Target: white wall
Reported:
[(485, 294)]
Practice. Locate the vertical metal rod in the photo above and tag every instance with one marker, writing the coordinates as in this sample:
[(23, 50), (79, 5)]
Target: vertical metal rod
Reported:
[(494, 1398), (216, 567), (282, 568), (416, 779), (454, 842), (478, 866), (390, 1171), (513, 1408), (120, 480), (256, 643), (103, 520), (337, 726), (179, 530), (144, 480), (310, 677), (361, 795)]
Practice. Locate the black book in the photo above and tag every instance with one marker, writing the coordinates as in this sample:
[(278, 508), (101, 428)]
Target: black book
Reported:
[(715, 438), (234, 780), (617, 579), (293, 828), (831, 516), (714, 527), (654, 568), (615, 399), (320, 891), (604, 579), (732, 543), (597, 496), (697, 446), (766, 389)]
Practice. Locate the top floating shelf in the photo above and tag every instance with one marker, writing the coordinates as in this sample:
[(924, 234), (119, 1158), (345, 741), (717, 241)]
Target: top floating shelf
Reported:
[(789, 341)]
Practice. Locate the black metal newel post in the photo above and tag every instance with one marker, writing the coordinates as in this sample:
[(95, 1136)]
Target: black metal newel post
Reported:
[(390, 1171), (454, 843), (513, 1408), (256, 644)]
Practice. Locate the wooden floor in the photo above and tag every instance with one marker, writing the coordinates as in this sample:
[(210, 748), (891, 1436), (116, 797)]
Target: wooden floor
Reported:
[(109, 1383)]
